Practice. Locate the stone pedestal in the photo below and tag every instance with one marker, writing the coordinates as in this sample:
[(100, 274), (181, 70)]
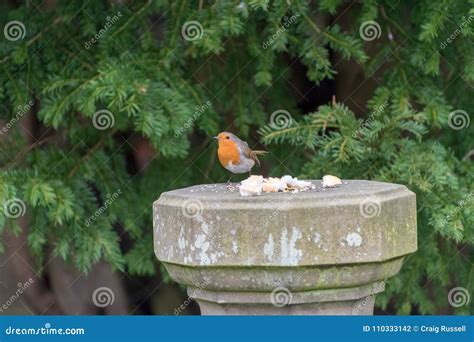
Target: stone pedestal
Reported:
[(318, 252)]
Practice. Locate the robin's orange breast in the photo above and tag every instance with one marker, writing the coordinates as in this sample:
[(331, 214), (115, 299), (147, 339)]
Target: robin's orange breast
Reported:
[(228, 152)]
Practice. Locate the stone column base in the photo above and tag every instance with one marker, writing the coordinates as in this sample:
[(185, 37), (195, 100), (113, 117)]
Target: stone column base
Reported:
[(346, 301)]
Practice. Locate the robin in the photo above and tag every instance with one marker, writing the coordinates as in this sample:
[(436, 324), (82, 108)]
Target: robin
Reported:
[(235, 155)]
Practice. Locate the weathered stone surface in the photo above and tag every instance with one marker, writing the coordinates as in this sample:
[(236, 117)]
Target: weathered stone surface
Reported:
[(336, 239)]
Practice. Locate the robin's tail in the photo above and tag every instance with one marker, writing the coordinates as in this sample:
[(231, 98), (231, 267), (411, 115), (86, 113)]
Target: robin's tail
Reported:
[(255, 153)]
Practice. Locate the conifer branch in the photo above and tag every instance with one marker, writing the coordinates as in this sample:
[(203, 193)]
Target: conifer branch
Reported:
[(129, 20), (34, 38), (91, 151)]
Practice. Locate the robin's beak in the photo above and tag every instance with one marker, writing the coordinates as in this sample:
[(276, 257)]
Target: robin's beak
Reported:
[(215, 138)]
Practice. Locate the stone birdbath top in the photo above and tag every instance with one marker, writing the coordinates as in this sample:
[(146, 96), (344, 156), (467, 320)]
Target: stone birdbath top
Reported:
[(230, 249)]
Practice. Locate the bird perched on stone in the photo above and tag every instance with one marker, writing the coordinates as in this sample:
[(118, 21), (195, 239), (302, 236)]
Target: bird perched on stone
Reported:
[(235, 155)]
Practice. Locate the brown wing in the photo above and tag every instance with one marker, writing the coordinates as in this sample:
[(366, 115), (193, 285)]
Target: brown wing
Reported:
[(252, 154), (248, 152)]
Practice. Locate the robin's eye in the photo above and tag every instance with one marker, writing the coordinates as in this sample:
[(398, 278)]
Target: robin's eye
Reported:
[(227, 137)]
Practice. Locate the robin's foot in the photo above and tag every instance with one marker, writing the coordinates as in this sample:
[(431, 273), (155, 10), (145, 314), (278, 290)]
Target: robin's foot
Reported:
[(230, 186)]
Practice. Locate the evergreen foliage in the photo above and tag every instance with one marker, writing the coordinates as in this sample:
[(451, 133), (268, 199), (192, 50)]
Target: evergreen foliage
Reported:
[(178, 92)]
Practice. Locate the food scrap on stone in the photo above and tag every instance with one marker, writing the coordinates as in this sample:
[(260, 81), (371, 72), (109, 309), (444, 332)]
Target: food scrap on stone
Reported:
[(331, 181), (273, 184), (255, 185), (252, 186)]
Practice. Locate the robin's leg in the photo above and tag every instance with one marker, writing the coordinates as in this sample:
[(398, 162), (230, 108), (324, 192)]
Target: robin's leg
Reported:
[(229, 184)]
